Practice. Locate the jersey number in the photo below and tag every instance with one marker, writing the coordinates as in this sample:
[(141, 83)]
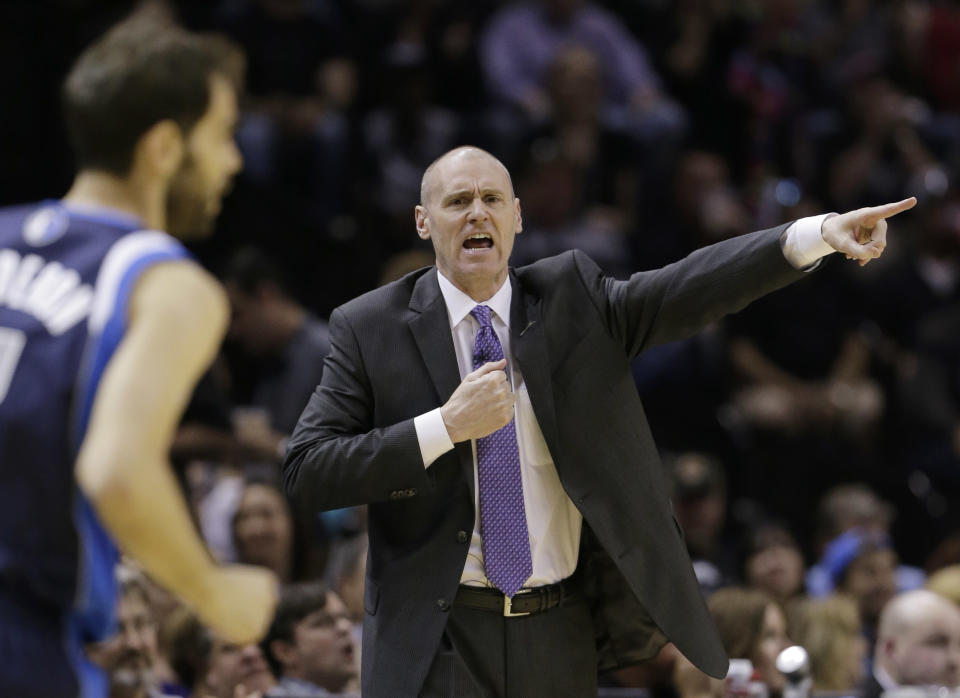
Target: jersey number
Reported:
[(11, 346)]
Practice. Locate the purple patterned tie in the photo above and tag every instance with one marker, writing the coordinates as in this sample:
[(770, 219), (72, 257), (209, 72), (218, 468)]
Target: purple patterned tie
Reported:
[(503, 518)]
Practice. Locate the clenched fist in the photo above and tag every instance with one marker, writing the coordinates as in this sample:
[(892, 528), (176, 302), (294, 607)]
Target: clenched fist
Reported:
[(480, 405)]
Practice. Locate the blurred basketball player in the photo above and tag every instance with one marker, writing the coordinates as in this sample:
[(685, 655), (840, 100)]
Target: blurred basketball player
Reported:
[(105, 326)]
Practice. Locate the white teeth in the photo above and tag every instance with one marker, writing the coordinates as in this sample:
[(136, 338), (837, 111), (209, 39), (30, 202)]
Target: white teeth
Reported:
[(478, 236)]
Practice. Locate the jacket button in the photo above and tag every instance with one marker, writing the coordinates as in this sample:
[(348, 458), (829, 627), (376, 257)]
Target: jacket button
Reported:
[(461, 536), (443, 605)]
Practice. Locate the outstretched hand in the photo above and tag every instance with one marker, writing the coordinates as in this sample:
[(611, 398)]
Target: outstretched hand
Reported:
[(862, 234)]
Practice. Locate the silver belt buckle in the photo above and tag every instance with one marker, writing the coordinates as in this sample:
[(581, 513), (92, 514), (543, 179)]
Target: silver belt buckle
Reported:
[(508, 605)]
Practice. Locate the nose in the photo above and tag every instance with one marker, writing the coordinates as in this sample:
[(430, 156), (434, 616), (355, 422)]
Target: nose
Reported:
[(133, 638), (477, 212), (251, 654)]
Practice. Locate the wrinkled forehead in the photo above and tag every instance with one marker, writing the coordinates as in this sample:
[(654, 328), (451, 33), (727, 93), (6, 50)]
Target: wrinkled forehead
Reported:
[(467, 172)]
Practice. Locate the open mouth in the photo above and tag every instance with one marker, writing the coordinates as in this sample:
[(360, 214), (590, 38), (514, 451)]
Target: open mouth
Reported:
[(478, 241)]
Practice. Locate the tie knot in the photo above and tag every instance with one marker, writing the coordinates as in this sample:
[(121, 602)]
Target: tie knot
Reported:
[(482, 315)]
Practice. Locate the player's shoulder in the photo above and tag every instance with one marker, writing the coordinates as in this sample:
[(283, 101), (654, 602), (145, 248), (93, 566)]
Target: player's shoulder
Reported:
[(182, 295)]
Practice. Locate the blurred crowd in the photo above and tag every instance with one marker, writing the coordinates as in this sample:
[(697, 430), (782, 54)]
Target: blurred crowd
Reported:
[(812, 442)]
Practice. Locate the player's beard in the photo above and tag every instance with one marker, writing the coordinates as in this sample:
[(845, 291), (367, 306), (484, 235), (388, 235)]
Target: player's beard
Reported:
[(188, 214)]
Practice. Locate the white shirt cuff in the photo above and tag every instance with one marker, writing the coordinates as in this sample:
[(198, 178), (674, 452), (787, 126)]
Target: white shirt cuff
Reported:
[(803, 242), (432, 435)]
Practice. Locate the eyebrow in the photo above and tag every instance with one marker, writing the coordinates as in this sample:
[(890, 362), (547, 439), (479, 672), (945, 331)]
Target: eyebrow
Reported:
[(469, 192)]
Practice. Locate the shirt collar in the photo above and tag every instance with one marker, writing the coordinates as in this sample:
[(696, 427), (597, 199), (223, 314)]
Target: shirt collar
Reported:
[(459, 304)]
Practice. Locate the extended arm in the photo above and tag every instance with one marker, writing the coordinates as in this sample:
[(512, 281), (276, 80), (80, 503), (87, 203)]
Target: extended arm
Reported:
[(177, 318), (678, 300)]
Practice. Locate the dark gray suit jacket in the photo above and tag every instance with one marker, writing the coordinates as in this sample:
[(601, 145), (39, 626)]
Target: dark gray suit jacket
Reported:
[(574, 332)]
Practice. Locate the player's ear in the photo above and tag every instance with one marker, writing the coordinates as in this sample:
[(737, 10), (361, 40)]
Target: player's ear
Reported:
[(423, 227), (161, 149)]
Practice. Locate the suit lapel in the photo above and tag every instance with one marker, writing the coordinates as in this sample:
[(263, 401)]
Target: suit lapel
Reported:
[(529, 342), (430, 326)]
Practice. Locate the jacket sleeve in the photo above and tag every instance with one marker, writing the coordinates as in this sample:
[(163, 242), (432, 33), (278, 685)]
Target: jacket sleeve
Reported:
[(678, 300), (336, 458)]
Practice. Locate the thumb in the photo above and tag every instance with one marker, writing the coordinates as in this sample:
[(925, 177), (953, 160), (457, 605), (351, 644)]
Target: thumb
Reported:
[(485, 369)]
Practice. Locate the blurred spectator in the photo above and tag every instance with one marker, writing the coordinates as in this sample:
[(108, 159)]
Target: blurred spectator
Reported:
[(805, 395), (752, 626), (918, 644), (309, 644), (699, 494), (863, 564), (266, 533), (212, 668), (574, 149), (284, 343), (694, 204), (402, 137), (300, 78), (345, 575), (945, 554), (886, 154), (915, 308), (403, 263), (946, 583), (130, 656), (521, 41), (841, 509), (773, 562), (830, 630)]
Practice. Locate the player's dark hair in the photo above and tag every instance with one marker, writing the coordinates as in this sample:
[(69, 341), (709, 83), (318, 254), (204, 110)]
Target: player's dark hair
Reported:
[(296, 602), (143, 71)]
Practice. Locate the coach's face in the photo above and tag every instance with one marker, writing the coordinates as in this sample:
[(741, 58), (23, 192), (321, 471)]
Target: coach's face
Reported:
[(470, 214)]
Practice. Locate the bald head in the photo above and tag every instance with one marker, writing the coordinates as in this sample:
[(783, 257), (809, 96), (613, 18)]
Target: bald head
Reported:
[(450, 159), (911, 608), (918, 639)]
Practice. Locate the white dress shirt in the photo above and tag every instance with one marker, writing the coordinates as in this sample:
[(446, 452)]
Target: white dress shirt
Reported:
[(553, 521)]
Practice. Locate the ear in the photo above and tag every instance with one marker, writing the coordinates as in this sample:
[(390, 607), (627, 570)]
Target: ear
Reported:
[(519, 216), (886, 648), (161, 149), (423, 227)]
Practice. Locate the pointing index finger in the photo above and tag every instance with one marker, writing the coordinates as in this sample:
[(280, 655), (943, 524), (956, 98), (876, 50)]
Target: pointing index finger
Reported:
[(875, 213)]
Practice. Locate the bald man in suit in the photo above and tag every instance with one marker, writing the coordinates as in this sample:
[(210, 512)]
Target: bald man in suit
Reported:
[(520, 535)]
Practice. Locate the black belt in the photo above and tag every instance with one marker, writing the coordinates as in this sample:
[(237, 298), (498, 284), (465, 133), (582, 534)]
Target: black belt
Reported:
[(524, 602)]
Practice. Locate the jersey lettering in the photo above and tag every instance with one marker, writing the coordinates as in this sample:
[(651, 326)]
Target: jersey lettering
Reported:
[(48, 291)]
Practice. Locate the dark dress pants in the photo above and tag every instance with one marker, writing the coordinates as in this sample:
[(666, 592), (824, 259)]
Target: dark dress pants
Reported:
[(551, 654)]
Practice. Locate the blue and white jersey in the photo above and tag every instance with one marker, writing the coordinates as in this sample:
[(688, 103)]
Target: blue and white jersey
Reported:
[(66, 275)]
